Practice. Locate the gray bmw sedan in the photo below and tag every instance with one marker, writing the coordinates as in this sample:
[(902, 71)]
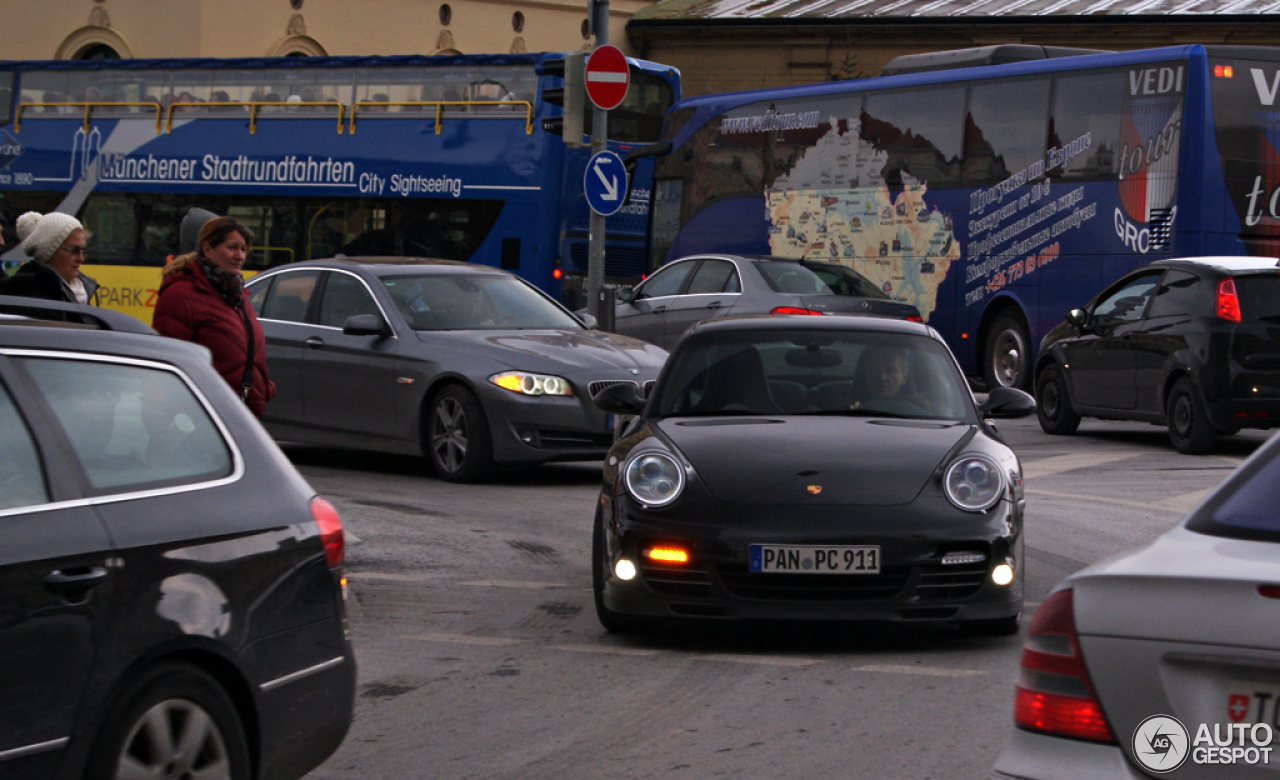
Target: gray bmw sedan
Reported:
[(465, 364)]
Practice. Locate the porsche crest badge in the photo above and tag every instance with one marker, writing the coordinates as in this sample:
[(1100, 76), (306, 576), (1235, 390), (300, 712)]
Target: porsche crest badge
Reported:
[(815, 489)]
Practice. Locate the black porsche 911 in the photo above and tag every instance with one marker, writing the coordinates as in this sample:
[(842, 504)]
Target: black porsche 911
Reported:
[(828, 468)]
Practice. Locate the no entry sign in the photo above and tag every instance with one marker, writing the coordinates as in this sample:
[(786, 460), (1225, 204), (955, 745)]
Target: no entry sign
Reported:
[(607, 77)]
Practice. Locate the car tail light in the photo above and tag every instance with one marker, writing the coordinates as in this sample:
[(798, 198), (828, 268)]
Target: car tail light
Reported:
[(1228, 303), (915, 318), (1054, 694), (330, 525), (792, 310)]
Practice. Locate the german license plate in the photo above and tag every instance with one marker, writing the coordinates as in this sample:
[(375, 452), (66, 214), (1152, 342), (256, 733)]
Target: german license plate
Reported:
[(815, 559), (610, 422)]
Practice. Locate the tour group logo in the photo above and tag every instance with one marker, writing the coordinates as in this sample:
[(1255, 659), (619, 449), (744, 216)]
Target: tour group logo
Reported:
[(1161, 744)]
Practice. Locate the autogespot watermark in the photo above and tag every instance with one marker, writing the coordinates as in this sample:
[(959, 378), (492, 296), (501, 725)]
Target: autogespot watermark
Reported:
[(1162, 744)]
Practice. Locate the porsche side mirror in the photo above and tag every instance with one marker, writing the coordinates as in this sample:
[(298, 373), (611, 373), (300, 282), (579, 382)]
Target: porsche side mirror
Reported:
[(619, 399), (366, 325), (1077, 317), (1008, 402)]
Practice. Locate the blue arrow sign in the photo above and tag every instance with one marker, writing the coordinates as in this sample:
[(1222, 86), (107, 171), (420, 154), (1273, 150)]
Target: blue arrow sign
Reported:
[(605, 183)]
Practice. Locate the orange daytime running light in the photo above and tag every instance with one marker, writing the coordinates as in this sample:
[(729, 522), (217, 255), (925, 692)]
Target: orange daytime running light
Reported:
[(667, 555)]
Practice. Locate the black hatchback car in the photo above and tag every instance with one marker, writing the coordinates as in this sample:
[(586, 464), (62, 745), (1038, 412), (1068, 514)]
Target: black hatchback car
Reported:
[(173, 603), (1192, 343), (825, 468)]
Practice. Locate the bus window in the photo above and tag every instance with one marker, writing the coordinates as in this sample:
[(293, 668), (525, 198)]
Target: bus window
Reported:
[(235, 86), (6, 97), (920, 131), (1084, 127), (391, 85), (191, 87), (639, 118), (1005, 129), (48, 86)]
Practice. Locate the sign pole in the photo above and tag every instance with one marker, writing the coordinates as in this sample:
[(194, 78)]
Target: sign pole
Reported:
[(599, 20)]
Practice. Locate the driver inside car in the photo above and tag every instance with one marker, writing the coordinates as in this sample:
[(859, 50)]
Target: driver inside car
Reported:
[(883, 383)]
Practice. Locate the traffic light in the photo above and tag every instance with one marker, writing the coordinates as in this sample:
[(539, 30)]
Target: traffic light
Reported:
[(572, 97)]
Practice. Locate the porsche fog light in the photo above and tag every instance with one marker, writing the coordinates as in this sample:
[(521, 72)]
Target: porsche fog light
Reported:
[(532, 384), (1002, 574), (973, 483), (625, 569), (654, 478)]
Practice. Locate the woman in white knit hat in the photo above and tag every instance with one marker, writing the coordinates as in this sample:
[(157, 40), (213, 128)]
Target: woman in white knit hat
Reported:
[(56, 244)]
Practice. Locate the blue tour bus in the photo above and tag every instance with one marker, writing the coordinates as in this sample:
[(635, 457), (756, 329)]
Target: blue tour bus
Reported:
[(426, 156), (993, 197)]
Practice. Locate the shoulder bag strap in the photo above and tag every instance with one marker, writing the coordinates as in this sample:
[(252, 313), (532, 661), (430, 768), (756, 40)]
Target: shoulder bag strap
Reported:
[(248, 363)]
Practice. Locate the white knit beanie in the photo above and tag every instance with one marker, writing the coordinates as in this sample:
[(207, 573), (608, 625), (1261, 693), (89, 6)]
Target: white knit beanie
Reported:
[(43, 234)]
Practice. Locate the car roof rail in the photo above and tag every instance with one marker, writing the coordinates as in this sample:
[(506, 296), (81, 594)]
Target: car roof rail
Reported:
[(34, 311)]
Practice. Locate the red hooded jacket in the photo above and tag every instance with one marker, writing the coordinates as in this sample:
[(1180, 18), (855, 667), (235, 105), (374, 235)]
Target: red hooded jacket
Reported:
[(189, 308)]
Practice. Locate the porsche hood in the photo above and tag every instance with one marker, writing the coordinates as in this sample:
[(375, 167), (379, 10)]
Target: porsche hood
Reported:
[(853, 461)]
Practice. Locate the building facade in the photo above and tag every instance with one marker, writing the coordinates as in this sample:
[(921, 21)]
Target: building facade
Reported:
[(94, 29), (730, 45)]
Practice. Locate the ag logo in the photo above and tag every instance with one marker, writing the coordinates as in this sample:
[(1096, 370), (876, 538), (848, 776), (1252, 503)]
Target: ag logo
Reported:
[(1160, 744)]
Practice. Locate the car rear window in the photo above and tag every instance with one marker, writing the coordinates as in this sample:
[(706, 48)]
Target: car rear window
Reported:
[(21, 477), (793, 278), (1259, 297), (131, 427), (1246, 505)]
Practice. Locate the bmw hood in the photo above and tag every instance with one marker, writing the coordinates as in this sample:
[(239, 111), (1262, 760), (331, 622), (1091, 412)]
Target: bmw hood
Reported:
[(555, 350), (775, 460)]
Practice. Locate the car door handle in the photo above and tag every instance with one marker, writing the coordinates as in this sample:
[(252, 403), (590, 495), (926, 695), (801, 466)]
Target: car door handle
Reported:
[(714, 305), (77, 578), (657, 309), (315, 342)]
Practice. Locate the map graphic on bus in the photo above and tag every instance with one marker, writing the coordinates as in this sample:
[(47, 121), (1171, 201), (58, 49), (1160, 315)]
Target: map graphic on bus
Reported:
[(891, 251)]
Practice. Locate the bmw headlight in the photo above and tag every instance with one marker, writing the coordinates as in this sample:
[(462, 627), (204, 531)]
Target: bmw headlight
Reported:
[(654, 478), (974, 483), (532, 384)]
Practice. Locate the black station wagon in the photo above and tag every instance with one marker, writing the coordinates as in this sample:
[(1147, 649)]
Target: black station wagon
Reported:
[(173, 603), (1192, 343)]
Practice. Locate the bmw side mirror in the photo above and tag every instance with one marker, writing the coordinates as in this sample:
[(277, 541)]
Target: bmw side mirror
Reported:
[(589, 322), (619, 399), (366, 325), (1077, 317), (626, 294), (1008, 402)]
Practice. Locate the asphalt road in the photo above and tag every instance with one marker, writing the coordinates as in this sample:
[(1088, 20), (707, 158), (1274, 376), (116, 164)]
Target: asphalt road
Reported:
[(480, 655)]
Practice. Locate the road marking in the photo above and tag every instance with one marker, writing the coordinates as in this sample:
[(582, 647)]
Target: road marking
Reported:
[(350, 538), (517, 584), (926, 671), (762, 660), (607, 650), (1102, 500), (1073, 461), (392, 576), (1187, 501), (466, 639)]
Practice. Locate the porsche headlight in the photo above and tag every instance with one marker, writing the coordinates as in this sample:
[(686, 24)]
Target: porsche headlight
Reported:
[(974, 483), (532, 384), (654, 478)]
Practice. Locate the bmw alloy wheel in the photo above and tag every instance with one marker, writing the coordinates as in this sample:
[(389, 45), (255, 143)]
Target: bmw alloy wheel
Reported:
[(449, 434)]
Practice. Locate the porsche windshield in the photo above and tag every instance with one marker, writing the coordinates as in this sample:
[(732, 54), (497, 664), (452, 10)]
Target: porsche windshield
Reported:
[(816, 372), (474, 302)]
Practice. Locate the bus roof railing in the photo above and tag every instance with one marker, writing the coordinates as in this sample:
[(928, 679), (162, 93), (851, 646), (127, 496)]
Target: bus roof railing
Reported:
[(439, 106), (88, 109), (253, 106)]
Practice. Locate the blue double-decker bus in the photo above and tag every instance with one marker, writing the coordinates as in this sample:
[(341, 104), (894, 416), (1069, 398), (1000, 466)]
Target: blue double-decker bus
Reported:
[(993, 197), (410, 156)]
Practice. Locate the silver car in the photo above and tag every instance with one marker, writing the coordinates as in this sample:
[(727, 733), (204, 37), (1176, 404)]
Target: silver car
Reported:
[(692, 289), (1165, 659)]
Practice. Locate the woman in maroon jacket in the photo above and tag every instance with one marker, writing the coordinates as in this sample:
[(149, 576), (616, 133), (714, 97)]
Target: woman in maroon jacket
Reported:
[(202, 299)]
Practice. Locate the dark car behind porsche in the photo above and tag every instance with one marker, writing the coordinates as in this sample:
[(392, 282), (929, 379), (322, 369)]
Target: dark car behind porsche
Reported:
[(173, 594)]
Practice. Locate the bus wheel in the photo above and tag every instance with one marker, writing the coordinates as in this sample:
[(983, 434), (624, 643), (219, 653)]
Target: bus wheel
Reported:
[(458, 440), (1007, 361)]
